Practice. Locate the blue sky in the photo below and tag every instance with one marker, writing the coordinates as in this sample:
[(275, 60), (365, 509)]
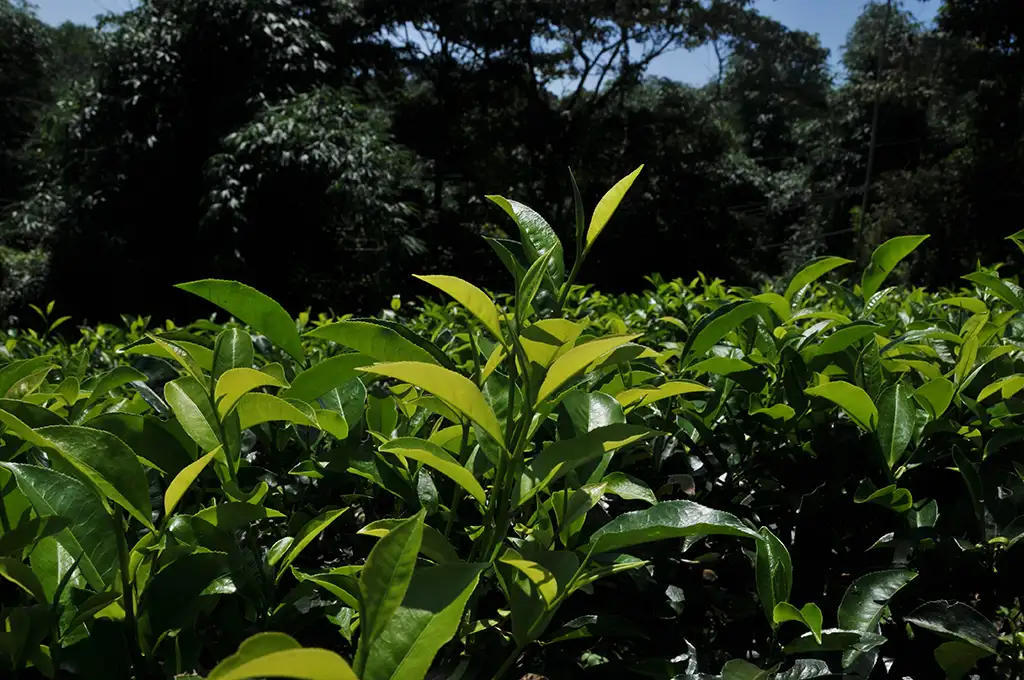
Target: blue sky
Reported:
[(830, 19)]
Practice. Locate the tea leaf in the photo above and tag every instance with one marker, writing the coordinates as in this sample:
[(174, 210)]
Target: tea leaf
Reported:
[(852, 399), (884, 260), (374, 340), (774, 571), (865, 601), (809, 615), (89, 535), (18, 573), (895, 422), (427, 619), (538, 237), (232, 349), (234, 383), (256, 408), (434, 545), (252, 307), (561, 456), (308, 534), (456, 390), (108, 463), (436, 457), (935, 396), (384, 581), (321, 378), (183, 480), (671, 519), (715, 326), (811, 272), (191, 405), (577, 359), (276, 655), (476, 302), (957, 620), (608, 204)]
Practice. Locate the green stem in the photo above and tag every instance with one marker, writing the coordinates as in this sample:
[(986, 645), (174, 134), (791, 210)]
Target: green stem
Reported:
[(573, 273), (509, 662), (457, 493), (127, 593)]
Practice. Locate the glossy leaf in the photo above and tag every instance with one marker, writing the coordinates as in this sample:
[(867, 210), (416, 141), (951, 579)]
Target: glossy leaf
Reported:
[(671, 519), (935, 396), (852, 399), (577, 359), (774, 571), (183, 480), (191, 405), (956, 620), (811, 272), (884, 260), (308, 534), (252, 307), (717, 325), (384, 581), (607, 205), (455, 389), (538, 238), (276, 655), (256, 408), (561, 456), (108, 463), (896, 420), (809, 615), (476, 302), (89, 535), (434, 456), (237, 382), (427, 619), (321, 378), (232, 349), (865, 601), (434, 545)]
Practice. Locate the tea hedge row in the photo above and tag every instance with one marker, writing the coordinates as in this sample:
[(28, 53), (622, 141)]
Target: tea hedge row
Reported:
[(823, 480)]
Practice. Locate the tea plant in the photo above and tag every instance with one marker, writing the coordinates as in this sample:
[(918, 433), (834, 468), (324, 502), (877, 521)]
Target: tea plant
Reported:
[(818, 480)]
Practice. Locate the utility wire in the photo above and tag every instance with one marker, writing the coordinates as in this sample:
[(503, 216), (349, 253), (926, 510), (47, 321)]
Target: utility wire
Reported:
[(880, 58)]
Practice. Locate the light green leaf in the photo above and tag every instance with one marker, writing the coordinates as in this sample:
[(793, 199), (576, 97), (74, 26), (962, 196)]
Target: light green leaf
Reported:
[(809, 615), (232, 349), (251, 307), (275, 655), (308, 534), (18, 573), (628, 488), (325, 376), (884, 260), (607, 205), (455, 389), (108, 463), (537, 236), (811, 272), (183, 480), (256, 408), (236, 382), (16, 427), (384, 581), (834, 640), (852, 399), (671, 519), (713, 327), (16, 371), (966, 361), (434, 545), (476, 302), (563, 455), (530, 285), (846, 336), (191, 405), (935, 396), (774, 571), (90, 532), (111, 380), (896, 419), (547, 339), (434, 456), (427, 619), (1006, 386), (645, 396), (541, 578), (998, 287), (577, 359)]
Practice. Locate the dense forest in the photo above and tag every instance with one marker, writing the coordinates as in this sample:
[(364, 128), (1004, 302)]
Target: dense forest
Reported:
[(319, 150)]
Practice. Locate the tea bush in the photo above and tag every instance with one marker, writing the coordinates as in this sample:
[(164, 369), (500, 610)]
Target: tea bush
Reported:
[(823, 480)]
